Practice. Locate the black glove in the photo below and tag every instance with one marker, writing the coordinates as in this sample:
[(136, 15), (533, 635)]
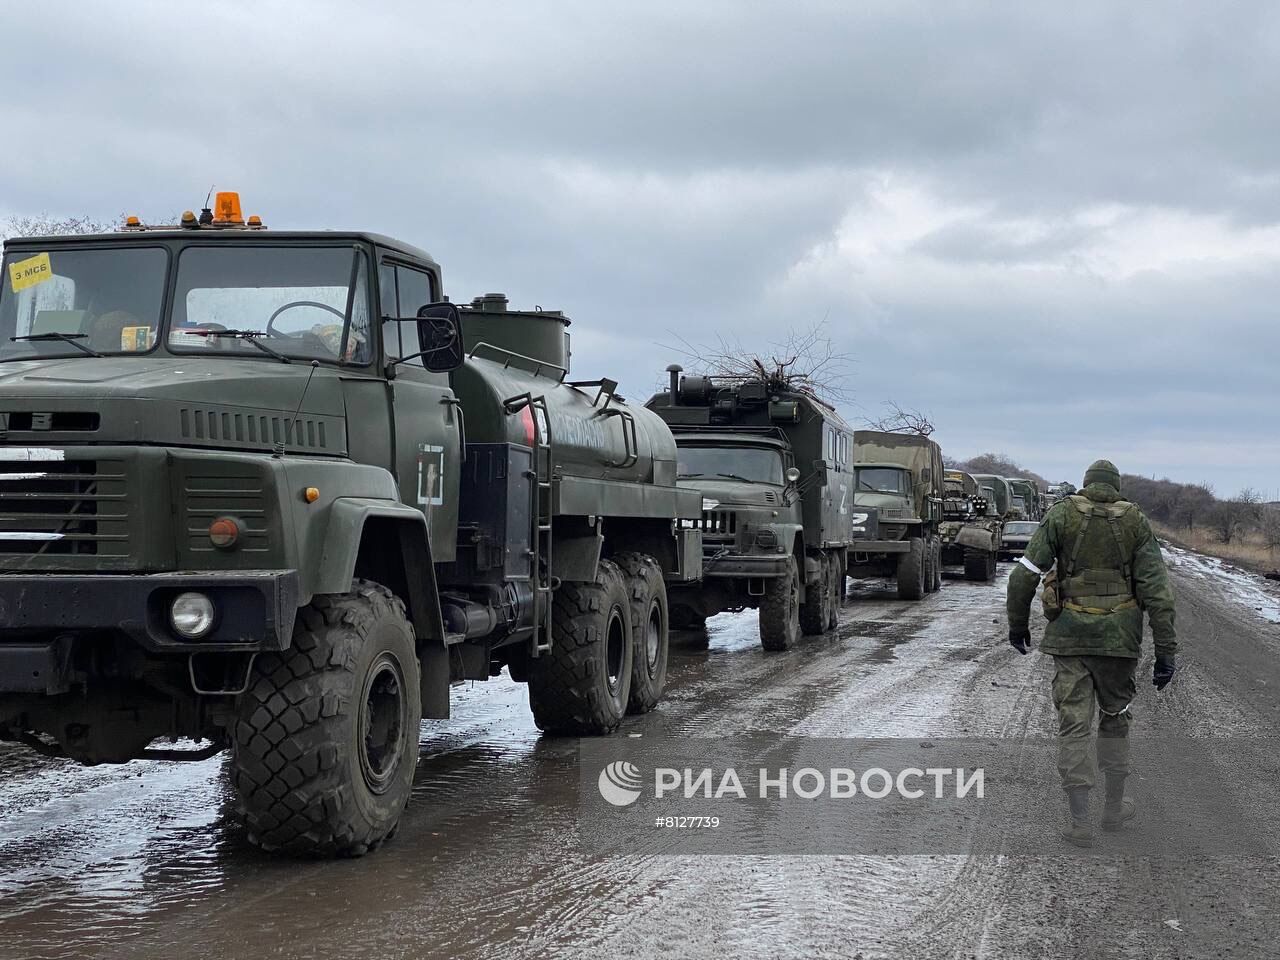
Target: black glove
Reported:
[(1164, 670), (1020, 639)]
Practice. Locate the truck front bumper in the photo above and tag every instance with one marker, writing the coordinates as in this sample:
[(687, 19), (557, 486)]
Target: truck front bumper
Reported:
[(745, 565), (254, 610)]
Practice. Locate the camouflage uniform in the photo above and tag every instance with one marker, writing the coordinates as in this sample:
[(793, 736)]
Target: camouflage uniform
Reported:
[(1109, 570)]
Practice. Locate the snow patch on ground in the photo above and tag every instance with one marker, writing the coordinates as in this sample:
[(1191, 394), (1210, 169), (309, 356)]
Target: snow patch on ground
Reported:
[(1248, 589)]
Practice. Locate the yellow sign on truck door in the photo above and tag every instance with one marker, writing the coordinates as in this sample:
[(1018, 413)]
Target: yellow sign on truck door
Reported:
[(29, 272)]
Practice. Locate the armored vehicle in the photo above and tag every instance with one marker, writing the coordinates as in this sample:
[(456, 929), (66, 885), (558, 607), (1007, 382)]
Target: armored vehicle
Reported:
[(971, 528), (1032, 503), (771, 466), (270, 491), (897, 510)]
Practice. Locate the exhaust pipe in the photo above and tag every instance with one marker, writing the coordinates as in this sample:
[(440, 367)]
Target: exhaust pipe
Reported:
[(674, 372)]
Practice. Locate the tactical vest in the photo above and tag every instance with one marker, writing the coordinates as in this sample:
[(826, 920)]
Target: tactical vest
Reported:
[(1097, 590)]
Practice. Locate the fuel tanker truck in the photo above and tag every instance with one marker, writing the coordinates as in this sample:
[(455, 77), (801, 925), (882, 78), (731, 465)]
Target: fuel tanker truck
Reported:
[(272, 493)]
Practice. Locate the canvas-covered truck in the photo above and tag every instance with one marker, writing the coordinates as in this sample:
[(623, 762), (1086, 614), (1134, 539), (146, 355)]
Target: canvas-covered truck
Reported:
[(1032, 505), (271, 492), (771, 467), (897, 510), (971, 528)]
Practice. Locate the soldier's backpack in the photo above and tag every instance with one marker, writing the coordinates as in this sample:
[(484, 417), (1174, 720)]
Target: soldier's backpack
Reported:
[(1106, 590)]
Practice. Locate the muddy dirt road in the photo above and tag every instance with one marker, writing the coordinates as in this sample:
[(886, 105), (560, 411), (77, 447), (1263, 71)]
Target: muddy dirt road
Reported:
[(145, 861)]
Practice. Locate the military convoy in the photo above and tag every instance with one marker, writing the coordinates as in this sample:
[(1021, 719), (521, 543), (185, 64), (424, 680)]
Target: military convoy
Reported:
[(772, 468), (272, 491), (897, 510), (971, 527), (1027, 498)]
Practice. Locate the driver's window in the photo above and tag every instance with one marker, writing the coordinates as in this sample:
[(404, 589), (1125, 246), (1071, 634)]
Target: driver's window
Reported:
[(415, 292)]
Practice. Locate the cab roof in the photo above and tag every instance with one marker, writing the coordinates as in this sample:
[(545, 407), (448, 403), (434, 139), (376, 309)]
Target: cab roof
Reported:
[(225, 235)]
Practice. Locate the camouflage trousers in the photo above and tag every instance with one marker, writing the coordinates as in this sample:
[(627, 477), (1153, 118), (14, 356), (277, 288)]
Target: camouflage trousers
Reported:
[(1081, 685)]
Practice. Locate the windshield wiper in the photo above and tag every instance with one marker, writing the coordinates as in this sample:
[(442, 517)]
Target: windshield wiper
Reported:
[(250, 336), (734, 476), (71, 338), (687, 476)]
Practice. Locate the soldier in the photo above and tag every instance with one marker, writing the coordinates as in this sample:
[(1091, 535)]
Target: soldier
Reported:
[(1108, 570)]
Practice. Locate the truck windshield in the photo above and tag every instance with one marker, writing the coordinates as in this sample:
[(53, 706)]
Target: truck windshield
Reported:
[(752, 464), (311, 303), (883, 480), (76, 303)]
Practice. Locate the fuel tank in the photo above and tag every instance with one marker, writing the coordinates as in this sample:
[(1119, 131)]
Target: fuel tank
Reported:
[(514, 386)]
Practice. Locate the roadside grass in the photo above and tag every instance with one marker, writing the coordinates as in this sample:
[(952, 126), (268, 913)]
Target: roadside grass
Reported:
[(1247, 550)]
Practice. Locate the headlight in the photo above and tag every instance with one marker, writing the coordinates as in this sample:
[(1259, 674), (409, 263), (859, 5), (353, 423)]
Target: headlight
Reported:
[(191, 615), (767, 538)]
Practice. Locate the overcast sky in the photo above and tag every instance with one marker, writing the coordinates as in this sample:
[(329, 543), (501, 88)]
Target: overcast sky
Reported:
[(1053, 227)]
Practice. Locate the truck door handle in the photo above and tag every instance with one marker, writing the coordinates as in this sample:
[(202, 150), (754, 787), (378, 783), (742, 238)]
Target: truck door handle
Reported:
[(462, 426)]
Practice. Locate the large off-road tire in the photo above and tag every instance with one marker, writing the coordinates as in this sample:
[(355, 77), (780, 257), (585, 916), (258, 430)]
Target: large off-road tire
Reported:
[(928, 566), (649, 629), (581, 687), (978, 565), (911, 570), (780, 609), (326, 737), (993, 566), (937, 564), (815, 612)]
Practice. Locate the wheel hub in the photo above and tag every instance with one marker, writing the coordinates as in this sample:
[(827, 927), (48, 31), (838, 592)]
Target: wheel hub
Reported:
[(382, 723)]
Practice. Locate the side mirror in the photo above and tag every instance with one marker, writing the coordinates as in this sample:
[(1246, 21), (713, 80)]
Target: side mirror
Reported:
[(820, 472), (926, 475), (440, 333), (793, 475)]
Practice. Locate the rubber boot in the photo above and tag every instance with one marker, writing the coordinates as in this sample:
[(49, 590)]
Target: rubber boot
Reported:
[(1118, 809), (1079, 828)]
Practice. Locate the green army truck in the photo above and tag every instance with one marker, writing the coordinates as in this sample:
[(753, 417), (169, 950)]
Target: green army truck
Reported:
[(999, 492), (271, 492), (771, 466), (1032, 505), (897, 510), (971, 528)]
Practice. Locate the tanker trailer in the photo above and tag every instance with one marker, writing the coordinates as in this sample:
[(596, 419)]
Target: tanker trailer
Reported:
[(270, 492)]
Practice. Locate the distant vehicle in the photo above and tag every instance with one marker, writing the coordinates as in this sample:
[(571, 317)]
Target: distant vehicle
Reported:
[(1017, 535), (971, 526), (897, 510), (1032, 502)]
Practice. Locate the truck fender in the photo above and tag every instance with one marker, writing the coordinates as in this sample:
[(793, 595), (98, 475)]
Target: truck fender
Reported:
[(394, 539)]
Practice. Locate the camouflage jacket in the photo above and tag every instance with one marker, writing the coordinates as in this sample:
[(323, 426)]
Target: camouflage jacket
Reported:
[(1103, 610)]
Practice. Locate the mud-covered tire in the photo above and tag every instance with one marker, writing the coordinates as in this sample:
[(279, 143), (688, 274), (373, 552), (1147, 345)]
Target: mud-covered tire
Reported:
[(582, 686), (836, 592), (928, 567), (911, 570), (780, 610), (649, 629), (815, 612), (937, 564), (993, 566), (326, 737), (977, 565)]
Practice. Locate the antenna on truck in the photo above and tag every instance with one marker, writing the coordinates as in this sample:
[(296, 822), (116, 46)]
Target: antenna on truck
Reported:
[(292, 422)]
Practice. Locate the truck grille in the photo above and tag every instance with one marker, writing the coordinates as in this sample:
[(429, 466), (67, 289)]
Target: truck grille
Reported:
[(721, 522), (59, 507)]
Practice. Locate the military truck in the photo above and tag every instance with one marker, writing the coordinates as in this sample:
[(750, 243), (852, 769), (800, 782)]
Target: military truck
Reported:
[(272, 492), (971, 529), (1032, 504), (771, 466), (999, 492), (897, 510)]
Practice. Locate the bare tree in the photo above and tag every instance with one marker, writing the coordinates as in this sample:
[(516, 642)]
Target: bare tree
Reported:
[(1270, 528), (901, 420), (806, 360), (1229, 517), (44, 225)]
